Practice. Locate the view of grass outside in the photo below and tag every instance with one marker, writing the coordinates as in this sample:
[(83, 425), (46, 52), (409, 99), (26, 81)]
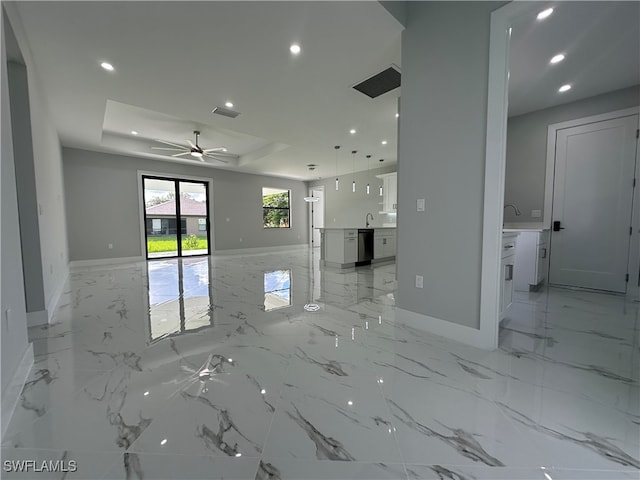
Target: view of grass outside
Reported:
[(169, 243)]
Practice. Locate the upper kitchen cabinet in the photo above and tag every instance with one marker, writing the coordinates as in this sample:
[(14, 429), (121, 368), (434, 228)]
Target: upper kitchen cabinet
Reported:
[(389, 202)]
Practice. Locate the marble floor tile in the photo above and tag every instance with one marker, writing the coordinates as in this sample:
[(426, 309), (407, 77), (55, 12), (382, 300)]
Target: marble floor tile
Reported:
[(199, 368)]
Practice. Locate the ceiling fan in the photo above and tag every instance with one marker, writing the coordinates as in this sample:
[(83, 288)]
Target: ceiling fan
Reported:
[(195, 150)]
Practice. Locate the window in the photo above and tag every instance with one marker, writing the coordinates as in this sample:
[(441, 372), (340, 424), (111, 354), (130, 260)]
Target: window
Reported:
[(202, 224), (275, 208)]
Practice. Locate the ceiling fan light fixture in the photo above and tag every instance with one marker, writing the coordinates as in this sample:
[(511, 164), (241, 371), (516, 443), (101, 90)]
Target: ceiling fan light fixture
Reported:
[(195, 153)]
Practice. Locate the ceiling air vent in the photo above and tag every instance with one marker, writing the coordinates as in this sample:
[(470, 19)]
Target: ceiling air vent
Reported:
[(225, 112), (380, 83)]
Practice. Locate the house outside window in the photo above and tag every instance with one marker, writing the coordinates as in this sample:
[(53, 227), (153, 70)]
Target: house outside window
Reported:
[(276, 208)]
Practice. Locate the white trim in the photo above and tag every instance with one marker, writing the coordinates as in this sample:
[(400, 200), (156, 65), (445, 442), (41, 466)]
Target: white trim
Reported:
[(38, 318), (97, 262), (261, 250), (208, 180), (551, 152), (11, 394), (55, 298), (495, 161), (437, 326)]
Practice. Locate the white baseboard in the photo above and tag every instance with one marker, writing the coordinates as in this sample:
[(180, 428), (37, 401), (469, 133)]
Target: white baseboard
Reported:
[(437, 326), (11, 395), (82, 264), (36, 319), (261, 250)]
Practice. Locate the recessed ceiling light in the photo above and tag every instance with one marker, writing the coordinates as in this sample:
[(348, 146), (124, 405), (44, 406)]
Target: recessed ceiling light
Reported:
[(352, 131), (564, 88), (163, 442), (228, 105), (133, 132), (295, 49), (224, 149), (384, 142), (107, 66), (397, 115), (544, 14), (558, 58)]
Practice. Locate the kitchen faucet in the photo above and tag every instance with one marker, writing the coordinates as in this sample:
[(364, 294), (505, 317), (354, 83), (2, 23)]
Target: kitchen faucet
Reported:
[(515, 209), (366, 221)]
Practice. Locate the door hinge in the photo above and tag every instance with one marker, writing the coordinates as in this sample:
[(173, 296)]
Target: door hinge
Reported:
[(631, 230), (634, 183), (626, 278), (637, 132)]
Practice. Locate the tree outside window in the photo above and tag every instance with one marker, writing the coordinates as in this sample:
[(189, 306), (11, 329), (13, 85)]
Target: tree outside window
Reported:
[(275, 208)]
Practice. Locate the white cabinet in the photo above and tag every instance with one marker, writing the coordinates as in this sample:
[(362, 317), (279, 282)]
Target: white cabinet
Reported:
[(384, 243), (389, 202), (532, 260), (340, 246), (506, 266)]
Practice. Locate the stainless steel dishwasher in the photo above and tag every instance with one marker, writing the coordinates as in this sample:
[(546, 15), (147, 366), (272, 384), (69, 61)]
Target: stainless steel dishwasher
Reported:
[(365, 246)]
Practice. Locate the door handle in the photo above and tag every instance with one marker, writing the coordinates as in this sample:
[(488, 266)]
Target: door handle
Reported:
[(556, 226)]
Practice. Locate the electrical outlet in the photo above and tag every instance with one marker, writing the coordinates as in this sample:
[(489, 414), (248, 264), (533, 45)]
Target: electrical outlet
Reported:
[(419, 281), (536, 213), (240, 239), (228, 219), (110, 246)]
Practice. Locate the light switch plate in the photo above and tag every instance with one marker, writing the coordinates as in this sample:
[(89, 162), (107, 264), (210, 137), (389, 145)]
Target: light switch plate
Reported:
[(419, 281), (420, 205)]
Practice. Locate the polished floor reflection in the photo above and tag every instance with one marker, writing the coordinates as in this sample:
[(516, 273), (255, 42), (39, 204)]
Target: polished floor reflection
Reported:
[(211, 368)]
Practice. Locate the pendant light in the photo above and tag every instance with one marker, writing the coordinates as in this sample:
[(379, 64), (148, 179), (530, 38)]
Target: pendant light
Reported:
[(337, 147), (353, 185), (368, 163), (311, 198), (381, 192)]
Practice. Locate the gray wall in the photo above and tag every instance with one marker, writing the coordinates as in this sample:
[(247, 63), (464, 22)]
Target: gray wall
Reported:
[(527, 147), (102, 193), (343, 208), (445, 55), (47, 162), (13, 336)]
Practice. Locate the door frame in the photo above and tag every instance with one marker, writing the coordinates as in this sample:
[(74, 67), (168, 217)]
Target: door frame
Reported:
[(633, 257), (172, 176)]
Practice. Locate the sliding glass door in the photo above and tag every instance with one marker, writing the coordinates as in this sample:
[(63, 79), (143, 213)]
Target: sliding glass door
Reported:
[(176, 217)]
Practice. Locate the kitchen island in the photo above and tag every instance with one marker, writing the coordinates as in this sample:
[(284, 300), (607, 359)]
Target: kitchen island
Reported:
[(350, 247)]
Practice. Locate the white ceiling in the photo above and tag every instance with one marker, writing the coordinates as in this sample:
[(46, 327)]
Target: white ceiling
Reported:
[(175, 61), (601, 43)]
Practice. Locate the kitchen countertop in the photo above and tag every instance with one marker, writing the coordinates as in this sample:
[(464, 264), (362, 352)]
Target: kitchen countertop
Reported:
[(354, 228), (524, 227)]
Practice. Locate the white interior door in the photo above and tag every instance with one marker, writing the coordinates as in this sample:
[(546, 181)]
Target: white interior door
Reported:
[(592, 200), (317, 216)]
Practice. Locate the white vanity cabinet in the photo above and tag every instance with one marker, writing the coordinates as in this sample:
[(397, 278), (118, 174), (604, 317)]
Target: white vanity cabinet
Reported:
[(384, 243), (532, 260), (389, 202), (507, 263)]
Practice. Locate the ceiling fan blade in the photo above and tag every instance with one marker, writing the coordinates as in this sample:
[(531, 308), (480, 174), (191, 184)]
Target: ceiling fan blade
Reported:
[(180, 154), (167, 148), (193, 145), (215, 149), (222, 154), (172, 144), (214, 157)]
